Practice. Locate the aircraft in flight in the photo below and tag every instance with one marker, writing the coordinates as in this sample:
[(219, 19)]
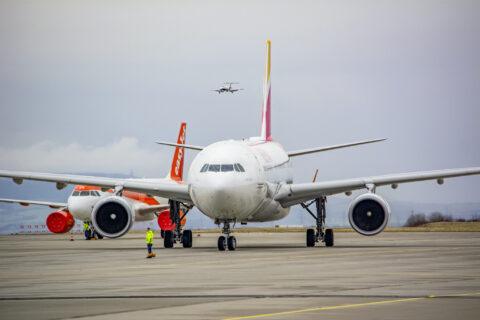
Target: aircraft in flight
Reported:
[(85, 199), (227, 88), (243, 181)]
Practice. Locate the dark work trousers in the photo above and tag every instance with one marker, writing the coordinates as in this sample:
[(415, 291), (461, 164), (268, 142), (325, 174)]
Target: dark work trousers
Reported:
[(149, 246)]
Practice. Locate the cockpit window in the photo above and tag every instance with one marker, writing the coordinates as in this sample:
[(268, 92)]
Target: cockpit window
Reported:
[(97, 193), (214, 167), (239, 167), (222, 167), (227, 167), (75, 193), (84, 193)]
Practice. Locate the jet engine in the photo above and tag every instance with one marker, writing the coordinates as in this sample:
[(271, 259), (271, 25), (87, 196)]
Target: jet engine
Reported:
[(113, 216), (60, 221), (369, 214), (164, 221)]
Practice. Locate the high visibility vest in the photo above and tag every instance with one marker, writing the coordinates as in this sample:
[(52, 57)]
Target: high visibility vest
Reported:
[(85, 226), (149, 238)]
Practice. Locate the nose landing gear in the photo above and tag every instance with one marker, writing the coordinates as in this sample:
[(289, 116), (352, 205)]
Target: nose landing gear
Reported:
[(321, 234), (229, 241)]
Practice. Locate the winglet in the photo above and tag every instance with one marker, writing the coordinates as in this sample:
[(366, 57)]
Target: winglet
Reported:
[(265, 133), (176, 172)]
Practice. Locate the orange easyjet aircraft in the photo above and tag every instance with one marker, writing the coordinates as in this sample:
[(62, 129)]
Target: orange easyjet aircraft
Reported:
[(84, 200)]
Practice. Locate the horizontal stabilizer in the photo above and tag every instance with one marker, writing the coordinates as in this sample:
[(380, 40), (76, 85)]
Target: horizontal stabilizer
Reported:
[(186, 146), (338, 146)]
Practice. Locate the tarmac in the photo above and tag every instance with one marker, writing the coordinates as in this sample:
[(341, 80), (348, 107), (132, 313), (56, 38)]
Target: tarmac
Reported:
[(395, 275)]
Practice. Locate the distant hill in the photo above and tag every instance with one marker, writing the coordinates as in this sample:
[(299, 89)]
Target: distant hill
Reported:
[(13, 216)]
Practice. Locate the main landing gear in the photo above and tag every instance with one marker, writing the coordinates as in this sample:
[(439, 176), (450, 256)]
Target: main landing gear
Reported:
[(176, 235), (227, 241), (321, 234)]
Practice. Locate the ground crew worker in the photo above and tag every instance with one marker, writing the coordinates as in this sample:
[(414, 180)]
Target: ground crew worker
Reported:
[(86, 230), (91, 231), (149, 240)]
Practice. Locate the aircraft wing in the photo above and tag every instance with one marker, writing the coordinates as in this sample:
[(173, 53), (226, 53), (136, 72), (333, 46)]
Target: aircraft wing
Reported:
[(176, 191), (153, 208), (292, 194), (54, 205)]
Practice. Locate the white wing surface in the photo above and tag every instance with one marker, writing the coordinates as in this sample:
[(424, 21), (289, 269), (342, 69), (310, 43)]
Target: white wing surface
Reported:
[(296, 193), (176, 191), (54, 205)]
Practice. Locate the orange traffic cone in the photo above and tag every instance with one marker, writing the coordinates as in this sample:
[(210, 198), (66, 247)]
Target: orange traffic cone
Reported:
[(198, 234), (71, 236)]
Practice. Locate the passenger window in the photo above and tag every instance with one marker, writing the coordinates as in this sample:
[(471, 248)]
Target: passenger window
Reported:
[(240, 167), (75, 193), (227, 167), (204, 168), (214, 167)]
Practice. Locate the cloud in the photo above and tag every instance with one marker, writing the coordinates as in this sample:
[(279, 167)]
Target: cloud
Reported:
[(121, 156)]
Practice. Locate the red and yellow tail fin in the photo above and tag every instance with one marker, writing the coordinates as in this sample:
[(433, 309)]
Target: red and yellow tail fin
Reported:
[(266, 110), (176, 173)]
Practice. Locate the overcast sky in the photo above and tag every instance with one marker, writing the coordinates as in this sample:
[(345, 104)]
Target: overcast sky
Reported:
[(88, 86)]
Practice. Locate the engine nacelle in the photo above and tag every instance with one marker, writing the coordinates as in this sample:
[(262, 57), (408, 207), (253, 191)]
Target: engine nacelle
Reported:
[(369, 214), (164, 221), (113, 216), (60, 221)]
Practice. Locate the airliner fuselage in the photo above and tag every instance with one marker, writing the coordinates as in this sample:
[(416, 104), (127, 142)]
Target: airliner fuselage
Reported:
[(229, 180)]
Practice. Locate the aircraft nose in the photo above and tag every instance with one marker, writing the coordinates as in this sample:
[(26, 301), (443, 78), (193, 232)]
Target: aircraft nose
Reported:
[(226, 201)]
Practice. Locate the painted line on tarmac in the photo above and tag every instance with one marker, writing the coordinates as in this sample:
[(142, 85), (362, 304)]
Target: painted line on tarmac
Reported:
[(234, 296), (347, 306)]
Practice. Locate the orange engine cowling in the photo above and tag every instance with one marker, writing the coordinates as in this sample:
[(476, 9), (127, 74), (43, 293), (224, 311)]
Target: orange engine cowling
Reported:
[(60, 221), (164, 221)]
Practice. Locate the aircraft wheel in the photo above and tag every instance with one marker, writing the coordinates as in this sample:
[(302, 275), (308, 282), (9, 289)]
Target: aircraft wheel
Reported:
[(232, 243), (222, 244), (329, 237), (168, 240), (187, 238), (310, 238)]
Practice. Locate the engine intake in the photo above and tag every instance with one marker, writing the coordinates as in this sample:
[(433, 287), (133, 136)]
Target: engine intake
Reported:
[(369, 214), (112, 217), (164, 221), (60, 221)]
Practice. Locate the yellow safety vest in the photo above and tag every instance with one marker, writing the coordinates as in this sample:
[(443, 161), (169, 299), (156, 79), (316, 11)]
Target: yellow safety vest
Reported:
[(149, 238), (85, 226)]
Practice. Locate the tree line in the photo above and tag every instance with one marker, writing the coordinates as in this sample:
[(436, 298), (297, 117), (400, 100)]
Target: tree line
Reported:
[(419, 219)]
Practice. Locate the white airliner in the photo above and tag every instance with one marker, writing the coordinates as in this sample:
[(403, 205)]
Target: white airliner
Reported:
[(227, 88), (84, 200), (246, 181)]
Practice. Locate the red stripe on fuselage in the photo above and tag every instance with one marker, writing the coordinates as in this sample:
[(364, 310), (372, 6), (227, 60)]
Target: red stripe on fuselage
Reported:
[(128, 194)]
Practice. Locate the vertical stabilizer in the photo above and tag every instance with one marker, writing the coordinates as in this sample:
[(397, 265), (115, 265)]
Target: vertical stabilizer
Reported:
[(266, 110), (176, 173)]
